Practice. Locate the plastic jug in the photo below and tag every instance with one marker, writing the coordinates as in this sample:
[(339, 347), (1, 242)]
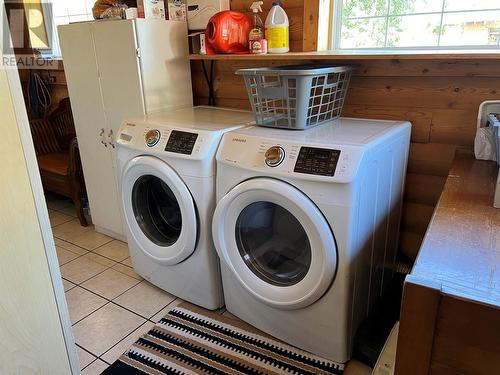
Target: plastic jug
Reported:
[(277, 26), (227, 32)]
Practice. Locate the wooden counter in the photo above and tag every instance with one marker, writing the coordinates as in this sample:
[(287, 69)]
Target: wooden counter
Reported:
[(330, 56), (450, 315)]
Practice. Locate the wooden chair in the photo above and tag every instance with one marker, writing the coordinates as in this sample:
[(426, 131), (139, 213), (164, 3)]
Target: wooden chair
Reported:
[(56, 147)]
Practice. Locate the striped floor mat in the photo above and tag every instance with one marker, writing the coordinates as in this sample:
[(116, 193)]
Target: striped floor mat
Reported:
[(190, 340)]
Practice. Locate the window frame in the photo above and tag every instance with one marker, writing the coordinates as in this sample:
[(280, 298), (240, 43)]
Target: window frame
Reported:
[(336, 31), (54, 39), (55, 51)]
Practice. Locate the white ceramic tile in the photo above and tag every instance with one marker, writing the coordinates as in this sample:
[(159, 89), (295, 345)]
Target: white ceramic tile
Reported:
[(145, 299), (69, 246), (68, 285), (127, 271), (128, 262), (110, 283), (160, 314), (90, 240), (85, 357), (95, 368), (64, 256), (115, 250), (81, 269), (106, 327), (58, 218), (99, 259), (71, 230), (116, 351), (82, 303)]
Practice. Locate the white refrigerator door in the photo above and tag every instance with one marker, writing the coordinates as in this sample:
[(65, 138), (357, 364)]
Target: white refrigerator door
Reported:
[(118, 64), (121, 88), (82, 75), (164, 60)]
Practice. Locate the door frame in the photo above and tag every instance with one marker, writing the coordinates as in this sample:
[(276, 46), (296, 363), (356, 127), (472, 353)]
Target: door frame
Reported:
[(19, 107)]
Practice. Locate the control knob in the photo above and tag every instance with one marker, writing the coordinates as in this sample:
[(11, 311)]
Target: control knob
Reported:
[(152, 137), (275, 156)]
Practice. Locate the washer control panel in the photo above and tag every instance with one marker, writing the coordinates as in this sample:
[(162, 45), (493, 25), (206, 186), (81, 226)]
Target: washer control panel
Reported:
[(317, 161), (181, 142), (161, 140)]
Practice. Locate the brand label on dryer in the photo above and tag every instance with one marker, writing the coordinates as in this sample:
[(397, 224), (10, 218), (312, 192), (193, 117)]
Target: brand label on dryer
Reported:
[(241, 140)]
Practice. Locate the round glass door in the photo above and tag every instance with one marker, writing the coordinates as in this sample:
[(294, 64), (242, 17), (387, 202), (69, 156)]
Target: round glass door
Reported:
[(273, 243), (156, 210), (159, 210)]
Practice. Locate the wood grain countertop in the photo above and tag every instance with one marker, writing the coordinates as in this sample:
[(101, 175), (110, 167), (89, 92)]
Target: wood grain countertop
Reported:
[(461, 249)]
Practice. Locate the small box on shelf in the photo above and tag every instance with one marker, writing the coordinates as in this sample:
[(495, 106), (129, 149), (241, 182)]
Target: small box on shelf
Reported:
[(197, 45)]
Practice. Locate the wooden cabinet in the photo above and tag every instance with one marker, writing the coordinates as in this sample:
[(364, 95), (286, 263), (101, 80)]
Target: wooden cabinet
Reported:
[(116, 70), (450, 315)]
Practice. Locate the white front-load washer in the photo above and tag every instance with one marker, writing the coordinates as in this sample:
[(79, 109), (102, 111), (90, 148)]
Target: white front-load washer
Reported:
[(166, 166), (306, 226)]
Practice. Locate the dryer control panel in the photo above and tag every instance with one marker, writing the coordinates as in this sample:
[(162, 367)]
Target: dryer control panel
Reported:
[(317, 161), (320, 161), (181, 142)]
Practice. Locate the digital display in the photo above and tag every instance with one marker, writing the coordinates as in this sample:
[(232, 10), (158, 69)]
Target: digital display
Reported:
[(181, 142), (317, 161), (126, 137)]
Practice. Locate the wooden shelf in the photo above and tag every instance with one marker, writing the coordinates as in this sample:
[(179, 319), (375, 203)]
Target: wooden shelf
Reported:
[(328, 55)]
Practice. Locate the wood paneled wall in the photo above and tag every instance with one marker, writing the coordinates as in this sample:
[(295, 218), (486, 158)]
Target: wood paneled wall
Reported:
[(296, 11), (439, 97)]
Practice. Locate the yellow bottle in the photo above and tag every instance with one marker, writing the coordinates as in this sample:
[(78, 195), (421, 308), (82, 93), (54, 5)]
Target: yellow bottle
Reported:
[(277, 26)]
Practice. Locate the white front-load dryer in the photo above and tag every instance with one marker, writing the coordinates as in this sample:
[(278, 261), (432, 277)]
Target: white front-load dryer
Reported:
[(166, 166), (306, 227)]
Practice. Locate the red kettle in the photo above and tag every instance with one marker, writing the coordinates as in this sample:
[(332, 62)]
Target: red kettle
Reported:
[(227, 32)]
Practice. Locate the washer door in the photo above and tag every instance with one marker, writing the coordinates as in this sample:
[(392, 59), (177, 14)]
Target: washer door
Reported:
[(159, 210), (276, 242)]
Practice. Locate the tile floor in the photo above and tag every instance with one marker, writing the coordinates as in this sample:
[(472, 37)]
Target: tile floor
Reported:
[(110, 306)]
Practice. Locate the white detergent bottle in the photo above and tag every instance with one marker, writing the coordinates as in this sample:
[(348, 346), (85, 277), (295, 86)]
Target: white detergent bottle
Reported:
[(277, 26)]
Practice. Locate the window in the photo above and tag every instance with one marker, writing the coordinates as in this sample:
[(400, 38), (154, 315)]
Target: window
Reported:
[(37, 30), (416, 24), (66, 11), (63, 12)]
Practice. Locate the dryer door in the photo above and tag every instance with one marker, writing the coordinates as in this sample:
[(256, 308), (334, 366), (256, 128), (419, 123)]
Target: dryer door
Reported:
[(276, 242), (159, 210)]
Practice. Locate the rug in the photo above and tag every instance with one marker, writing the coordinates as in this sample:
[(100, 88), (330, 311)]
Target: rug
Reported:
[(191, 340)]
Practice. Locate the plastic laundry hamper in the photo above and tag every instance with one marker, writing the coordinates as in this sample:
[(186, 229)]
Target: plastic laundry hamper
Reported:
[(297, 97)]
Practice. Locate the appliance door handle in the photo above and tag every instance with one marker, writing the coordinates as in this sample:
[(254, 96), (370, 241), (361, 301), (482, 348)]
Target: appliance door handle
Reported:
[(101, 134), (110, 137)]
